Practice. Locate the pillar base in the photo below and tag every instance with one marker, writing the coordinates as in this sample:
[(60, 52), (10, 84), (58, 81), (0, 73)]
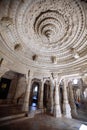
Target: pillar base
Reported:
[(25, 108), (74, 113), (42, 110), (40, 106), (57, 111), (68, 116), (67, 111)]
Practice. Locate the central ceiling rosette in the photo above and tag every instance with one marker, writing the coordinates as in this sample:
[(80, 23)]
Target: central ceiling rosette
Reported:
[(52, 24)]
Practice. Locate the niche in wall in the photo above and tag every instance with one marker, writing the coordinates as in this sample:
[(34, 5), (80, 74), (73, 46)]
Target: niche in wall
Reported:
[(4, 87)]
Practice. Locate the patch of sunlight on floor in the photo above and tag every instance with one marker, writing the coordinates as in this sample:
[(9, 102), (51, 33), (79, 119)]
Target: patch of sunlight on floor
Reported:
[(83, 127)]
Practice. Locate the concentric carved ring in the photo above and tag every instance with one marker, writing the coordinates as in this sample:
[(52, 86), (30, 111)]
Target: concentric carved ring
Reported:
[(53, 23), (50, 24)]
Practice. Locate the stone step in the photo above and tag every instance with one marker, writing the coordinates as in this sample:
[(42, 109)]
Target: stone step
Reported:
[(12, 118), (8, 110), (15, 118)]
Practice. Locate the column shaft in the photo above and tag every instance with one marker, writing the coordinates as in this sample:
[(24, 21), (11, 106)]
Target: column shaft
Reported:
[(72, 102), (41, 96), (57, 110), (26, 99), (66, 106)]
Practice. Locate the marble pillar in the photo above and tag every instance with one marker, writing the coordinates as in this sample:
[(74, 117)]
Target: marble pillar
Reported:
[(41, 95), (25, 107), (66, 106), (57, 109), (71, 100)]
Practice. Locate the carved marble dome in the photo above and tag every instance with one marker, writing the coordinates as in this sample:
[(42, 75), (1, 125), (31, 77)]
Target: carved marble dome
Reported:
[(45, 35)]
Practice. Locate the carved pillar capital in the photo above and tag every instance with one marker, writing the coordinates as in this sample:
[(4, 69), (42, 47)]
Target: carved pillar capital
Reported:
[(55, 78), (29, 76)]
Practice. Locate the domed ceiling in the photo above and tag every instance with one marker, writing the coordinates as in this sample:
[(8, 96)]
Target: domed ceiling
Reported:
[(46, 34)]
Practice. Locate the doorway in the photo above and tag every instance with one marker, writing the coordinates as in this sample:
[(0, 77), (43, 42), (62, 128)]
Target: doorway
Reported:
[(4, 87), (34, 96)]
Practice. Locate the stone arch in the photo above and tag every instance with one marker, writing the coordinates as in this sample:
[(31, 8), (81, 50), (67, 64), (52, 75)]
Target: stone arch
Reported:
[(34, 95)]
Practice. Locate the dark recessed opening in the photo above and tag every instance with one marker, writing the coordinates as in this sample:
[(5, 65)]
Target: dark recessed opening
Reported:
[(17, 47)]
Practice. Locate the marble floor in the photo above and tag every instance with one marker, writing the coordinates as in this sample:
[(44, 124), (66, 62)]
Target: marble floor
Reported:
[(44, 122), (40, 121)]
